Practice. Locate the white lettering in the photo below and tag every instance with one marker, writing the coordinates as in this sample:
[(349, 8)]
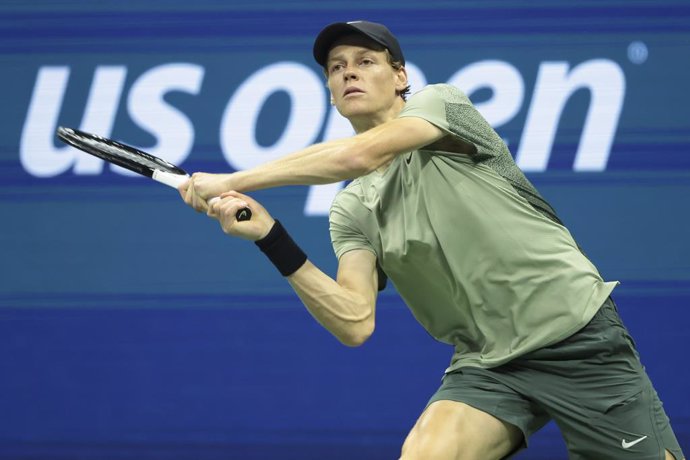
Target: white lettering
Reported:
[(174, 132), (148, 108), (502, 79), (307, 110), (553, 87), (37, 152)]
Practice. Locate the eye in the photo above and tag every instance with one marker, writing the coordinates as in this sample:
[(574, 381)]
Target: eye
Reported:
[(336, 67), (367, 61)]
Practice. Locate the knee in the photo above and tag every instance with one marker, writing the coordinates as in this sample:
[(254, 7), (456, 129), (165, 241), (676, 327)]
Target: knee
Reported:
[(421, 445), (449, 430), (431, 436)]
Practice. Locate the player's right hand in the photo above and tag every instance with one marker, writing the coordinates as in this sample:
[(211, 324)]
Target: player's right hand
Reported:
[(225, 210)]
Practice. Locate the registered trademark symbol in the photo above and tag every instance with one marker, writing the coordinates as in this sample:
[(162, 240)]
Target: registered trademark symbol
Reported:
[(638, 52)]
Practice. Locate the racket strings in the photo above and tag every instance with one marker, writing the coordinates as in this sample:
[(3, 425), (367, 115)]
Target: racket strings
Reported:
[(113, 150)]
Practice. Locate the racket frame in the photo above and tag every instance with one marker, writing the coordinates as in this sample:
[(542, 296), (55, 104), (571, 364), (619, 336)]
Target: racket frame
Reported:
[(166, 173)]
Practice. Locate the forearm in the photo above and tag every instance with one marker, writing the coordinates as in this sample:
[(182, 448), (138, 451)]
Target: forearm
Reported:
[(344, 307), (341, 159), (322, 163), (345, 313)]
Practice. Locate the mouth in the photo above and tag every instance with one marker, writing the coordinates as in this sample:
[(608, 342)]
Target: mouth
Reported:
[(352, 90)]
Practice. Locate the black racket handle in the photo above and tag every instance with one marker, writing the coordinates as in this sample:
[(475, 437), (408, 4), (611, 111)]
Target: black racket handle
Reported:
[(243, 214)]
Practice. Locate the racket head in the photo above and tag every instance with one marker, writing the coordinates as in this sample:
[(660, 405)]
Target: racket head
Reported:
[(117, 153), (129, 158)]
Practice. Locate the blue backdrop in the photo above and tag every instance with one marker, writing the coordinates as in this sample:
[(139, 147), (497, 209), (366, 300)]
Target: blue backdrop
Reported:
[(131, 327)]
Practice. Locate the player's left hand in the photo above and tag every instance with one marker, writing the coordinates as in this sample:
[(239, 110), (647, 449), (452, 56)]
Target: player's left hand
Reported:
[(203, 186), (225, 210)]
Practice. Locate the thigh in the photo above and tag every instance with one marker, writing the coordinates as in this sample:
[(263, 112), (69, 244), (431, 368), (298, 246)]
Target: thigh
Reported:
[(454, 430), (473, 415)]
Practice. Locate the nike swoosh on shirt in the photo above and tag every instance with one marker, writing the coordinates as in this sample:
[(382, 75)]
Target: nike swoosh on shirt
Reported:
[(628, 445)]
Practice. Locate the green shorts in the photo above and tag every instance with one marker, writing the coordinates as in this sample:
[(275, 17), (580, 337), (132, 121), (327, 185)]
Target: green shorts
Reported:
[(591, 384)]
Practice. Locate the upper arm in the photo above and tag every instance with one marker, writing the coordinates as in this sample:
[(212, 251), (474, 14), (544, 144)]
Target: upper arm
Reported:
[(379, 145), (422, 122), (357, 273)]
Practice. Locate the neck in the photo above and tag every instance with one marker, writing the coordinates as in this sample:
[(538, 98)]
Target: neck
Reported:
[(366, 122)]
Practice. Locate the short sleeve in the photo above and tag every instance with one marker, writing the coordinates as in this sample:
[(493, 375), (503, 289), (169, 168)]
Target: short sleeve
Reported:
[(431, 104), (450, 110), (345, 235)]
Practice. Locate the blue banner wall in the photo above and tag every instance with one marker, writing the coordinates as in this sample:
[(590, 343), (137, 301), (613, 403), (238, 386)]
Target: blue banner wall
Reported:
[(132, 327)]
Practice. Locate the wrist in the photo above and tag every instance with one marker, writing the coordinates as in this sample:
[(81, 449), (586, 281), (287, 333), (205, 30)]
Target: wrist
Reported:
[(236, 181), (282, 250), (269, 227)]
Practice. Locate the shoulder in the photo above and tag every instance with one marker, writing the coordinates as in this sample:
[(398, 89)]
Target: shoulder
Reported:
[(347, 198), (433, 101), (440, 92)]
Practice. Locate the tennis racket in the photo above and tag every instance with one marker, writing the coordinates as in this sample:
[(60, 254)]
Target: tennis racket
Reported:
[(133, 159)]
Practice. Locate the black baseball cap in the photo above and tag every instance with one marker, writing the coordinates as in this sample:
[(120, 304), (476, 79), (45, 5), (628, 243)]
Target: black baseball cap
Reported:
[(377, 32)]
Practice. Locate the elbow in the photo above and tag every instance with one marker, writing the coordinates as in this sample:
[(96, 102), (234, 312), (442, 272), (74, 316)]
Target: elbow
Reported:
[(357, 165), (357, 334), (359, 161)]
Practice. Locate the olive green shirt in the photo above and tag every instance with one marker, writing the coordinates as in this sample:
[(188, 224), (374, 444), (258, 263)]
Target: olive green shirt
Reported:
[(479, 257)]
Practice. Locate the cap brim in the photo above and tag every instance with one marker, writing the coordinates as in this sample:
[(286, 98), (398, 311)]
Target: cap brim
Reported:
[(325, 39)]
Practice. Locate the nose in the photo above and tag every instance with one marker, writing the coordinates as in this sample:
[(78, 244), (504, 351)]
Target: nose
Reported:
[(350, 74)]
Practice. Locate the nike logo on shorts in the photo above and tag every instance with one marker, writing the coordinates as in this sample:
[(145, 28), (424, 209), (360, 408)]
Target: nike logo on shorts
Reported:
[(627, 445)]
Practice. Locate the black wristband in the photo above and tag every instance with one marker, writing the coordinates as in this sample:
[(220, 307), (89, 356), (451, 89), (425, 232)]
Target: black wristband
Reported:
[(282, 250)]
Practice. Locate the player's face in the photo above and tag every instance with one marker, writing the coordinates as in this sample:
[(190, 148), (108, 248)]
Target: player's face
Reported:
[(362, 82)]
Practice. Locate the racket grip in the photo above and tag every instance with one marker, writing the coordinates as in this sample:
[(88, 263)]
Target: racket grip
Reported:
[(241, 215), (169, 179)]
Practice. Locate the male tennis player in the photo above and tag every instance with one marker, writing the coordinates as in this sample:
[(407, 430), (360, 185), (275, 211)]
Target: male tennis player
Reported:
[(477, 254)]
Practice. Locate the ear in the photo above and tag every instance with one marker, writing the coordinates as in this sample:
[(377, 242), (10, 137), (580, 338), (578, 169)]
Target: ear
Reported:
[(400, 79), (330, 93)]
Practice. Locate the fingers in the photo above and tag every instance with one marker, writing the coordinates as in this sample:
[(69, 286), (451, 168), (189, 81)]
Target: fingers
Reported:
[(226, 207), (214, 206), (190, 195), (212, 201), (200, 187), (252, 203), (198, 203), (225, 210), (183, 189)]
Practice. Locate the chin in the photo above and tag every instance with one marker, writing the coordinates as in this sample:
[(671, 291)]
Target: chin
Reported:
[(353, 110)]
